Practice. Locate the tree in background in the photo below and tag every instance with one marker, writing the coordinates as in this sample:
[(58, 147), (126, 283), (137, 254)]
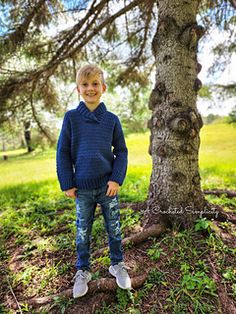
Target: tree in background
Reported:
[(232, 116)]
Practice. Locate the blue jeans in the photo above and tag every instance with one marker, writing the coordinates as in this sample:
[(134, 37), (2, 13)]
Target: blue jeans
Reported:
[(86, 203)]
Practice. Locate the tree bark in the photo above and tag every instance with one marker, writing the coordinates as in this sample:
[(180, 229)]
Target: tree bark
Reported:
[(175, 193)]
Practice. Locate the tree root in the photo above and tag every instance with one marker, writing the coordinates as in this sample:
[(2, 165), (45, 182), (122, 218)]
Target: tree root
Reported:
[(135, 206), (219, 214), (219, 192), (153, 231), (100, 285)]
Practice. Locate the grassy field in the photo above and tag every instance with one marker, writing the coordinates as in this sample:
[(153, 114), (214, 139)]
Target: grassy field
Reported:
[(37, 236), (217, 160)]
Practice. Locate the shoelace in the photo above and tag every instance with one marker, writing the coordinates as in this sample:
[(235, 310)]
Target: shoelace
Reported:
[(122, 269), (81, 275)]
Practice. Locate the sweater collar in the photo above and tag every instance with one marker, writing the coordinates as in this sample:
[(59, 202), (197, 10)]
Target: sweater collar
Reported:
[(95, 115)]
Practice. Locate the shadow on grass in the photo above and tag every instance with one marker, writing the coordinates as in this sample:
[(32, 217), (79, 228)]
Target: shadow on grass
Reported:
[(20, 193)]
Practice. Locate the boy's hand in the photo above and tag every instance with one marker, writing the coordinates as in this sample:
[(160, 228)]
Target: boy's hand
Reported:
[(71, 193), (113, 188)]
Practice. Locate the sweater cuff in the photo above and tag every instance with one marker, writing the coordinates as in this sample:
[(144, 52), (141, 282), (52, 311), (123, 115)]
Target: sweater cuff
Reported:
[(67, 185), (116, 177)]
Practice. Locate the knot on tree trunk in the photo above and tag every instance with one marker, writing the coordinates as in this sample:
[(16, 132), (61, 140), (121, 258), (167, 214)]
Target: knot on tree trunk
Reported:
[(197, 84), (193, 133), (185, 123), (198, 67), (196, 119), (180, 125), (166, 27), (164, 150), (157, 95), (193, 117), (156, 121), (179, 177), (190, 35), (176, 104)]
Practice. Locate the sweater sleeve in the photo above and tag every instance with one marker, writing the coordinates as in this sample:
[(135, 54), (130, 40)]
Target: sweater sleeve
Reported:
[(65, 170), (121, 155)]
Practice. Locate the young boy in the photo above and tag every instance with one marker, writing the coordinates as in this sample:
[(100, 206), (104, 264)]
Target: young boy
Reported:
[(91, 172)]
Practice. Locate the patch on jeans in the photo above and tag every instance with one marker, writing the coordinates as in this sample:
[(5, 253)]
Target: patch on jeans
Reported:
[(113, 203), (116, 228), (114, 209), (82, 234), (77, 207)]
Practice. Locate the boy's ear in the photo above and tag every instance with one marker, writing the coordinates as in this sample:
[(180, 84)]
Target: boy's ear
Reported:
[(77, 87), (104, 88)]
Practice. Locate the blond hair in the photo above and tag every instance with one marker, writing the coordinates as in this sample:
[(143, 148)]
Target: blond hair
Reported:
[(87, 71)]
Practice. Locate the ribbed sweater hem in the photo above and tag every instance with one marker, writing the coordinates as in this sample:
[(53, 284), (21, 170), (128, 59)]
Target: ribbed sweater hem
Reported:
[(94, 183), (67, 184)]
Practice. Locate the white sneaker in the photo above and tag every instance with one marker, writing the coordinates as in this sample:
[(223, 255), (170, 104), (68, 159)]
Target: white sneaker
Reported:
[(81, 283), (122, 277)]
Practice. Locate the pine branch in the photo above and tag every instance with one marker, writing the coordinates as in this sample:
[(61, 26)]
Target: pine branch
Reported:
[(18, 36), (13, 85), (71, 37)]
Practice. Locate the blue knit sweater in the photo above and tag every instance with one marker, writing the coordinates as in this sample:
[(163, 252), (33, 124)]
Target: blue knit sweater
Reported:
[(85, 158)]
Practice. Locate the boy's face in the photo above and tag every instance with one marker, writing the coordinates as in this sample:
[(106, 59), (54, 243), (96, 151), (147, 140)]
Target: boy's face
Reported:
[(91, 89)]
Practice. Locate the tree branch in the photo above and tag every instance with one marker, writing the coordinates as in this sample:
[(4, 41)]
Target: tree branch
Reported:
[(38, 121), (70, 35), (17, 37), (95, 286), (233, 3), (17, 84)]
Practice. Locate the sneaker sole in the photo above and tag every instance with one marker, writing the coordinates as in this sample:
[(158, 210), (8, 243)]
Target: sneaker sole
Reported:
[(113, 274), (81, 295)]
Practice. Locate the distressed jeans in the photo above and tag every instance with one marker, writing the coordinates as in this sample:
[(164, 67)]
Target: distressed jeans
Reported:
[(86, 203)]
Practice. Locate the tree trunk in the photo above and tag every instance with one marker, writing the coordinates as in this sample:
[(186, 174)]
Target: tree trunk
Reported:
[(27, 134), (175, 194), (5, 156)]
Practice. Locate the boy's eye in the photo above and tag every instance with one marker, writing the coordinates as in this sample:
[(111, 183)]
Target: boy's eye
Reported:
[(84, 84)]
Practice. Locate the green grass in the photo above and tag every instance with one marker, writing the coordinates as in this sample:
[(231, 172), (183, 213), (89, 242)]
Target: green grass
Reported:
[(25, 168), (218, 141), (217, 158)]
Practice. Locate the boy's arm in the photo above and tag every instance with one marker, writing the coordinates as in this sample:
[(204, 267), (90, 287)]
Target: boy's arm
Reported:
[(65, 170), (121, 155)]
